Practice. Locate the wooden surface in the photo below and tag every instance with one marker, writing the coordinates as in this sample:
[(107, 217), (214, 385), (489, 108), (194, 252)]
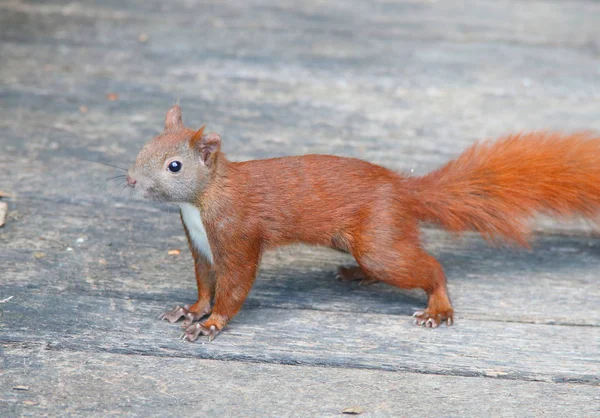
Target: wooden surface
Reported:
[(406, 84)]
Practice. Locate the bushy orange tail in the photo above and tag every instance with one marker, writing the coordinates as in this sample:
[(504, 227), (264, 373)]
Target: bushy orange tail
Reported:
[(494, 187)]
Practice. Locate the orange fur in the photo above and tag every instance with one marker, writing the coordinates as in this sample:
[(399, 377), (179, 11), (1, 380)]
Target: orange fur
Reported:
[(494, 187), (361, 208)]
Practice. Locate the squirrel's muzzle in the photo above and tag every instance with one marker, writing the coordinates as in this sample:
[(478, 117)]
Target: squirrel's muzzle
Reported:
[(130, 181)]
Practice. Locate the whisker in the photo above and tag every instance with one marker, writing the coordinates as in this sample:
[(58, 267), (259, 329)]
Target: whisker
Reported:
[(130, 196), (120, 184), (120, 176), (103, 185), (107, 164), (121, 191)]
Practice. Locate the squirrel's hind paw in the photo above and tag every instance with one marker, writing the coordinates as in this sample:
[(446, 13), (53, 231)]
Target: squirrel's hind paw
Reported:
[(433, 320)]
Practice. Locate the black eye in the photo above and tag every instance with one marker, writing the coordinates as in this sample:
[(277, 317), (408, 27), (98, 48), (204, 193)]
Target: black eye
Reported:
[(175, 166)]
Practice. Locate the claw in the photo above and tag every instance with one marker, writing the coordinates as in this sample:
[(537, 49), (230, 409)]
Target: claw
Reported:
[(194, 331), (173, 315), (180, 312), (212, 333), (431, 323), (191, 317), (433, 320)]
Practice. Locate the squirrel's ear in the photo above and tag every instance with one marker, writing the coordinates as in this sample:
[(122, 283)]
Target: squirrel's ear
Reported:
[(173, 118), (207, 145), (196, 139)]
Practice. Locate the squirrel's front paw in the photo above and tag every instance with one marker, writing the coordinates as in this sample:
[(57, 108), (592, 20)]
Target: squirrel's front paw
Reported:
[(193, 331), (176, 314), (192, 317), (190, 314)]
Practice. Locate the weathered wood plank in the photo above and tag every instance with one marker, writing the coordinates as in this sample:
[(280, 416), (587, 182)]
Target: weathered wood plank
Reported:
[(536, 23), (407, 84), (411, 123), (95, 384), (313, 90), (410, 93), (308, 337)]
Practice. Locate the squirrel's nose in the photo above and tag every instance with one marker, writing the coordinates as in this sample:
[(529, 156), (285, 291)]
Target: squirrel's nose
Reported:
[(130, 181)]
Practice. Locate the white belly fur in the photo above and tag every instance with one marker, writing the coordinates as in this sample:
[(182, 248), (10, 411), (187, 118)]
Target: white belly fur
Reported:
[(193, 222)]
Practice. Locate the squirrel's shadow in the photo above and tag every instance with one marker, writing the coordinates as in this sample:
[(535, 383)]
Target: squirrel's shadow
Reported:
[(469, 260), (466, 260)]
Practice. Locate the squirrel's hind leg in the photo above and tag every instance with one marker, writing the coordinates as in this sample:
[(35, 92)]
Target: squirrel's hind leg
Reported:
[(406, 265), (439, 309)]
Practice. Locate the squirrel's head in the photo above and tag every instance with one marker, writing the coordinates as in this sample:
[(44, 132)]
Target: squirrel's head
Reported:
[(177, 164)]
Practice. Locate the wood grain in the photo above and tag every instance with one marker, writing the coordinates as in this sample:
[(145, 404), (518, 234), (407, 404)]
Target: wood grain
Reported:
[(84, 383), (407, 84), (338, 339)]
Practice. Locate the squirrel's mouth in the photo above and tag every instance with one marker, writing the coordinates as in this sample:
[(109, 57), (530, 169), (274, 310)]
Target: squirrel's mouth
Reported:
[(152, 194)]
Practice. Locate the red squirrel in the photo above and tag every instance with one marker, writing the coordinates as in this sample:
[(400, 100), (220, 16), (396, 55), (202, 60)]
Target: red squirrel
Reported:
[(233, 211)]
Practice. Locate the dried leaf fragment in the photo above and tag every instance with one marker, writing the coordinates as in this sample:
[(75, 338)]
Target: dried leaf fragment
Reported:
[(353, 410), (3, 210), (495, 372), (174, 252), (39, 255), (7, 299)]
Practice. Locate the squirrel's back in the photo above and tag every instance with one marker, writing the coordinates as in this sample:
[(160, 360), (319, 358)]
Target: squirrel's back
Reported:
[(313, 198)]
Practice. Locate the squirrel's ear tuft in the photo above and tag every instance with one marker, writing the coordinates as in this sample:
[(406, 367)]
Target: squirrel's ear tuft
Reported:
[(173, 118), (207, 145), (196, 139)]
